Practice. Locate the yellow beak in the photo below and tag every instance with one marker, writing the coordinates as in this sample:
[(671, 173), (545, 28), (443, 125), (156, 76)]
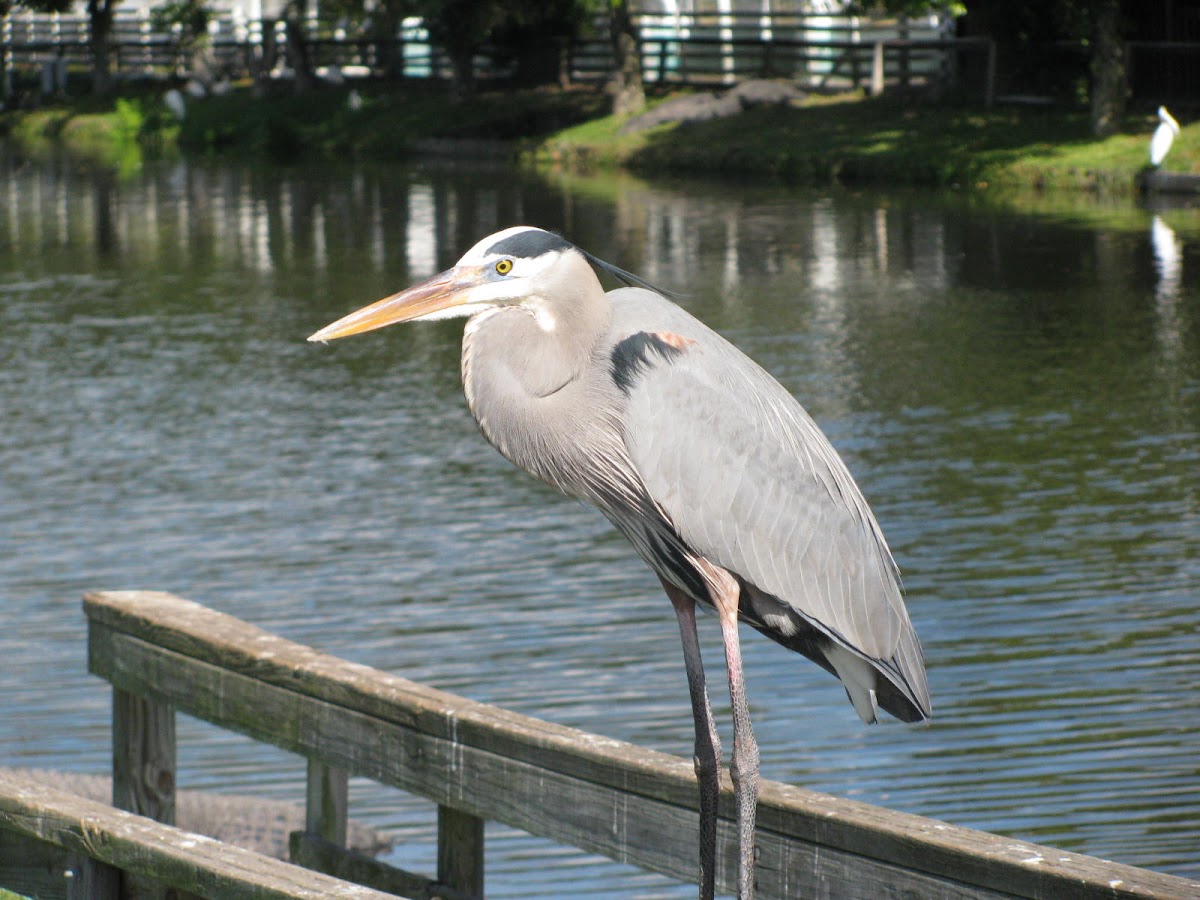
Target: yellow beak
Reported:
[(442, 291)]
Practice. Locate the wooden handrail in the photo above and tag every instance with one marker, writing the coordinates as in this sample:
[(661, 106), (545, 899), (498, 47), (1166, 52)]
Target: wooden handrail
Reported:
[(98, 843), (610, 797)]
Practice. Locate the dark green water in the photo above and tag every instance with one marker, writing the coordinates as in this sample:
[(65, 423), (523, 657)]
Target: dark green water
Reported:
[(1018, 395)]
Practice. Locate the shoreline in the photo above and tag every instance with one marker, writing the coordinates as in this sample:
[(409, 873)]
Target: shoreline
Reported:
[(848, 139)]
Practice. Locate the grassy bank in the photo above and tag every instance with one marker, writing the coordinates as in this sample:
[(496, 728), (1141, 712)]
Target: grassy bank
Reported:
[(884, 140), (848, 138), (283, 127)]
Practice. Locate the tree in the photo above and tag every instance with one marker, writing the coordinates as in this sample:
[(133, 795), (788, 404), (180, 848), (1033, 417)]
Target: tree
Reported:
[(1109, 83), (189, 19), (100, 19), (626, 87), (1029, 34), (41, 6), (295, 14), (462, 28)]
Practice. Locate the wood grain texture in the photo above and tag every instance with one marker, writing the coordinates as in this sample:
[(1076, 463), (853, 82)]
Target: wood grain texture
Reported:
[(327, 803), (143, 737), (460, 850), (314, 853), (625, 802), (164, 854), (92, 880)]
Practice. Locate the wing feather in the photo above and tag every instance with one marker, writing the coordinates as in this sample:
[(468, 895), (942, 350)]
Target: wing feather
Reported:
[(750, 482)]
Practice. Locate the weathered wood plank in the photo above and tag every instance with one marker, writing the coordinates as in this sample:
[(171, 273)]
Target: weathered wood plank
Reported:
[(92, 880), (326, 808), (631, 828), (623, 801), (33, 868), (143, 738), (460, 850), (322, 856), (222, 640), (172, 857)]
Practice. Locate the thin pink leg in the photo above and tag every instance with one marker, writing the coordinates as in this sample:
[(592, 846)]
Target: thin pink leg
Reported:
[(743, 766)]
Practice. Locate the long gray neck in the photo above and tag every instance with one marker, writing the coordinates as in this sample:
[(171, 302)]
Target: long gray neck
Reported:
[(538, 347), (527, 369)]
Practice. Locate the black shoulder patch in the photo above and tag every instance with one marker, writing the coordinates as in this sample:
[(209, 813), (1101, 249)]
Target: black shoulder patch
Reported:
[(530, 244), (637, 353)]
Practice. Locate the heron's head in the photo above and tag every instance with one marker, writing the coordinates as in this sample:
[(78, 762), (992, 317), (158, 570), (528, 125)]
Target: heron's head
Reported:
[(520, 266)]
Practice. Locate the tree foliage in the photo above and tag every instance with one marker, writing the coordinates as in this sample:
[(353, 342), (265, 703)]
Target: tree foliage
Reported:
[(529, 30), (909, 8), (40, 6), (1036, 38)]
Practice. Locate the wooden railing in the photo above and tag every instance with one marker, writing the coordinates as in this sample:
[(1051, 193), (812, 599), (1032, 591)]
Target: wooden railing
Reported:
[(698, 49), (477, 762), (55, 845)]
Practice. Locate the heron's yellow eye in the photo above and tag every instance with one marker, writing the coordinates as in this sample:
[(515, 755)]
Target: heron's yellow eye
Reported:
[(504, 266)]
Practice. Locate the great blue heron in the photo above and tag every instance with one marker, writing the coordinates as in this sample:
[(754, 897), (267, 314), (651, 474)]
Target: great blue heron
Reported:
[(716, 475), (1164, 136)]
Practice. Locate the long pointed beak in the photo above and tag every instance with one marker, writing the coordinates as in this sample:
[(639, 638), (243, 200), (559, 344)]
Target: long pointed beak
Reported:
[(442, 291)]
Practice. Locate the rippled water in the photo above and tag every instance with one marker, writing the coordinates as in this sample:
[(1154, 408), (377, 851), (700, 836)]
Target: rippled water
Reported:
[(1019, 397)]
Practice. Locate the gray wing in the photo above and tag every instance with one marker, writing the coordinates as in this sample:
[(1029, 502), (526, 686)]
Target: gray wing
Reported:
[(749, 482)]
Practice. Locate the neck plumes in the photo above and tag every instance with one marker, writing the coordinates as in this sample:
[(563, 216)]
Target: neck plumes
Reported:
[(537, 347), (524, 366)]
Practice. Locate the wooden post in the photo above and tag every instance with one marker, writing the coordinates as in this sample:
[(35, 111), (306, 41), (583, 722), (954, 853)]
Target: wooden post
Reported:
[(143, 735), (460, 851), (88, 879), (877, 69), (327, 802)]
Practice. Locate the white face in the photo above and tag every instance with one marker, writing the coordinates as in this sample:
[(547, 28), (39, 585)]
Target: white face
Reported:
[(495, 273), (506, 245)]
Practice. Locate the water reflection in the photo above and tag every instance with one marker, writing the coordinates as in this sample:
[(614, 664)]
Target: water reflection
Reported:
[(1019, 396)]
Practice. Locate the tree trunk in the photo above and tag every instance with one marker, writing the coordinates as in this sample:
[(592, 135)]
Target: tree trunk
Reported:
[(100, 16), (385, 26), (297, 46), (462, 60), (628, 93), (1109, 87)]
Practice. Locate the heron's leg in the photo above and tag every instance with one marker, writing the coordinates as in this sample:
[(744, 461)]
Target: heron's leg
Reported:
[(743, 765), (707, 754)]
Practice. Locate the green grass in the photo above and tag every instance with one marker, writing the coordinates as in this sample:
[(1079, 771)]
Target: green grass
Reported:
[(322, 124), (110, 133), (882, 140), (851, 138), (284, 127)]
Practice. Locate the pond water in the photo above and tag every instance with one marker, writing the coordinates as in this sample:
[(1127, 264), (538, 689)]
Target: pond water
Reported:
[(1017, 394)]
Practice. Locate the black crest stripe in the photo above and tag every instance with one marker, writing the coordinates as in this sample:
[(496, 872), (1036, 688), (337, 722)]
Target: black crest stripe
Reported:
[(529, 244)]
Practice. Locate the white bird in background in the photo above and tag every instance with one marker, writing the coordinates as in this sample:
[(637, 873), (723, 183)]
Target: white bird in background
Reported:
[(1164, 134)]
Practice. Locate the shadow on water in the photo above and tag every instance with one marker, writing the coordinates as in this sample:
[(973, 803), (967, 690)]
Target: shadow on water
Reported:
[(1018, 394)]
